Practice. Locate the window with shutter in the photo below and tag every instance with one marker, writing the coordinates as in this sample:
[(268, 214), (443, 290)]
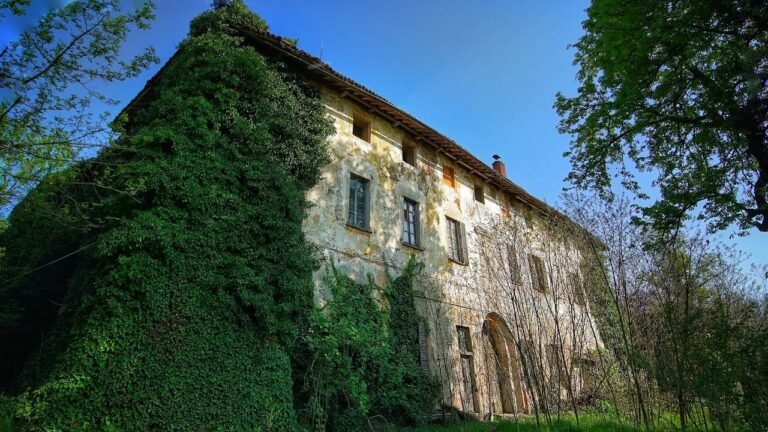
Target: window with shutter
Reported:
[(578, 290), (410, 222), (358, 202), (514, 264), (463, 253), (538, 274), (457, 244)]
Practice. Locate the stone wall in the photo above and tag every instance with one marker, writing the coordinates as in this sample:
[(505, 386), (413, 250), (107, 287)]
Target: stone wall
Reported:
[(501, 312)]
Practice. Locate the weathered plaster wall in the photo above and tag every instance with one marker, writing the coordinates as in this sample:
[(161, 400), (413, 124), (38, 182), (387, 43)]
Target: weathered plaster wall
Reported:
[(456, 295)]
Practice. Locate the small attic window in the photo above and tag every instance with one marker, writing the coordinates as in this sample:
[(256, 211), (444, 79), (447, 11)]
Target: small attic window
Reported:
[(479, 193), (409, 154), (361, 128)]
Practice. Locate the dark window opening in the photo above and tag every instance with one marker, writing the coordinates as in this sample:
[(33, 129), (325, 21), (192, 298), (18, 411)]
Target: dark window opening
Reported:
[(538, 274), (514, 265), (361, 128), (578, 290), (457, 245), (358, 202), (410, 222), (469, 386), (409, 154), (479, 194)]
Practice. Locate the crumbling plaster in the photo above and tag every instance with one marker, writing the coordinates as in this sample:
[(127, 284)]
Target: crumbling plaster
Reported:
[(460, 298)]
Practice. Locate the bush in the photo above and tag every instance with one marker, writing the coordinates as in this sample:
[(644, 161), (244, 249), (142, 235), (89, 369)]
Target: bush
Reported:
[(363, 357)]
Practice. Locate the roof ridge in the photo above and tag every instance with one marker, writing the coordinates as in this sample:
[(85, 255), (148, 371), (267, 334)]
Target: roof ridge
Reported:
[(314, 65)]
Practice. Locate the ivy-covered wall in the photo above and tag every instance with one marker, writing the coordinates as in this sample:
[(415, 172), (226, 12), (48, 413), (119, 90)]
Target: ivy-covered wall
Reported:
[(194, 277), (362, 361)]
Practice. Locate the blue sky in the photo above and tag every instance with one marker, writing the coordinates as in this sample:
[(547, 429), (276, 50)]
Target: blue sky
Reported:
[(483, 73)]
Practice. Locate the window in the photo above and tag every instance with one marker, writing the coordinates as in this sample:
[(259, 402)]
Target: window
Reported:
[(358, 202), (467, 370), (457, 246), (410, 222), (479, 193), (538, 275), (578, 290), (448, 176), (514, 265), (409, 154), (465, 343), (361, 128)]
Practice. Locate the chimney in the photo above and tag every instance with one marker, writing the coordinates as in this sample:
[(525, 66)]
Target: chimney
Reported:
[(498, 166)]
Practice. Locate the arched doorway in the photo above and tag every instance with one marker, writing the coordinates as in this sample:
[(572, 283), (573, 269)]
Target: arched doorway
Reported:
[(503, 367)]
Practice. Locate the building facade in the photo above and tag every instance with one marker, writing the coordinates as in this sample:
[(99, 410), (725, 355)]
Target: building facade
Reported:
[(496, 276), (506, 325)]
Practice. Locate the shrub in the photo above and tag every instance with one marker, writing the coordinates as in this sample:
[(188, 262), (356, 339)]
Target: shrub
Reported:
[(363, 357)]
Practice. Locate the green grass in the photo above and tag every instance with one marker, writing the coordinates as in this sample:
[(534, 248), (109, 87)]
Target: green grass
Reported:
[(587, 423)]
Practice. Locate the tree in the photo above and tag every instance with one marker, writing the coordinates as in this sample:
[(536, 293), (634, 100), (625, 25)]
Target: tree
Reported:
[(679, 320), (49, 79), (680, 88)]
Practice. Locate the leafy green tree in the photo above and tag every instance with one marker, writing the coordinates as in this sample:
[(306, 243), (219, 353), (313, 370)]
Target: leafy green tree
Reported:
[(677, 88), (49, 81)]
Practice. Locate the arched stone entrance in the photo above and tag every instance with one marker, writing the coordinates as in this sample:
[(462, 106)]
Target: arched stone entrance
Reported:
[(503, 368)]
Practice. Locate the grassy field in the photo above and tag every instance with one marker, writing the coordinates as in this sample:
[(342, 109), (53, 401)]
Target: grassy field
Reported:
[(587, 423)]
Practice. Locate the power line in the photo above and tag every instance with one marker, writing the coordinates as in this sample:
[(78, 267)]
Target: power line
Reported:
[(47, 264)]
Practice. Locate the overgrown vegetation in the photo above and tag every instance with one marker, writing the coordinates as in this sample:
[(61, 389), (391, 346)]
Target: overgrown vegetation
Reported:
[(362, 359), (586, 423), (683, 325), (192, 277)]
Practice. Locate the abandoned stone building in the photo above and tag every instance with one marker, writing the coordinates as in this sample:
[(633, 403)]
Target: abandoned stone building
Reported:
[(506, 326), (504, 311)]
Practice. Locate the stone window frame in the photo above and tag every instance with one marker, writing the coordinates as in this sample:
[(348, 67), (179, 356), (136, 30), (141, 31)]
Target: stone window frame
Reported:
[(411, 229), (409, 153), (479, 193), (357, 217), (456, 237), (539, 278), (361, 127)]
